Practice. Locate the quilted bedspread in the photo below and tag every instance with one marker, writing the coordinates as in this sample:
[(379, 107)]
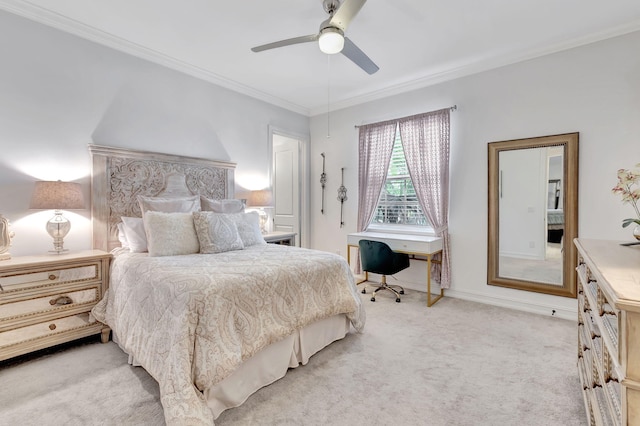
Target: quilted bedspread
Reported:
[(191, 320)]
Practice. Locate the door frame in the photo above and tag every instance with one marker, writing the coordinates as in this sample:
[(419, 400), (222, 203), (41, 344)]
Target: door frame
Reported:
[(303, 172)]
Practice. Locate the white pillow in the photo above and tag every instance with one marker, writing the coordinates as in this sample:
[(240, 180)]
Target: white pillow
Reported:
[(249, 228), (221, 206), (134, 231), (216, 232), (122, 237), (168, 204), (170, 234)]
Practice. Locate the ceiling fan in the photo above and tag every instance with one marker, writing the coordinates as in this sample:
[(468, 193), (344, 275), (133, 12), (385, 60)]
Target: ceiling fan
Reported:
[(331, 37)]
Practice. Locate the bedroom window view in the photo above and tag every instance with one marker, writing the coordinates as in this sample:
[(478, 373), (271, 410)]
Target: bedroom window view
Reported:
[(398, 203)]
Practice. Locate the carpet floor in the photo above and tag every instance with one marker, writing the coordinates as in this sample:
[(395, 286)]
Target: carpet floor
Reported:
[(456, 363)]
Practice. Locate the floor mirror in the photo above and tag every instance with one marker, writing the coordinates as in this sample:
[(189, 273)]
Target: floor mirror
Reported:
[(533, 214)]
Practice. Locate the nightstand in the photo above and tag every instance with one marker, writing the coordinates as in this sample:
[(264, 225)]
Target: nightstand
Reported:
[(45, 300), (283, 238)]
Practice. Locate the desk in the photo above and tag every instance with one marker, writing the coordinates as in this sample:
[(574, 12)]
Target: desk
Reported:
[(419, 245)]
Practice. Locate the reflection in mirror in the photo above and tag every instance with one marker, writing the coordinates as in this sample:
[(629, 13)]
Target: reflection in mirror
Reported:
[(533, 214)]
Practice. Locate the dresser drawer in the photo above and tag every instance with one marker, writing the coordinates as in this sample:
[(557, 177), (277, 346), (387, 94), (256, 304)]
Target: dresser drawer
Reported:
[(22, 312), (34, 279), (45, 329)]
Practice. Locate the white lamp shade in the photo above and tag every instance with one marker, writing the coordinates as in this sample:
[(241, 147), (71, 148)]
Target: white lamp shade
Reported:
[(261, 198), (331, 41), (57, 195)]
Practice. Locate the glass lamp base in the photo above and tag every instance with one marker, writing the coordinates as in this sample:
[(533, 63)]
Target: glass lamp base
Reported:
[(58, 227)]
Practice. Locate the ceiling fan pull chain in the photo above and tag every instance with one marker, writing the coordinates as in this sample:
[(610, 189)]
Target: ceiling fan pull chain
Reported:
[(328, 96)]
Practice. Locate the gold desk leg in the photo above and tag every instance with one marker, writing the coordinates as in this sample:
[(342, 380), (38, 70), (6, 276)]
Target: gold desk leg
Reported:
[(366, 274), (429, 301)]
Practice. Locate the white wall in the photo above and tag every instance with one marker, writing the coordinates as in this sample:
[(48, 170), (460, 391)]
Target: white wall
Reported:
[(592, 89), (59, 93), (522, 203)]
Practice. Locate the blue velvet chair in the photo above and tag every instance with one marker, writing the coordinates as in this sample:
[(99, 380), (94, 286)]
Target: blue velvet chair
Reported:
[(377, 257)]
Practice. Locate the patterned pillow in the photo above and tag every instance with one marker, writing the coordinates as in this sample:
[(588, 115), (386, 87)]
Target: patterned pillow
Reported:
[(249, 228), (216, 232), (170, 234)]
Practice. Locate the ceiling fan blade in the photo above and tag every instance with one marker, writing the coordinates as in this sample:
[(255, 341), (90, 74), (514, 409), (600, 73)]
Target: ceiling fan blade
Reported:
[(353, 52), (287, 42), (345, 13)]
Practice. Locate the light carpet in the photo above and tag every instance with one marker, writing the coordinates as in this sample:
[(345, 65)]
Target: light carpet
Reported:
[(456, 363)]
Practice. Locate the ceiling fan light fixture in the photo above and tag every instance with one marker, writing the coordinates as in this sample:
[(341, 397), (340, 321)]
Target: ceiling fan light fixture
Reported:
[(331, 40)]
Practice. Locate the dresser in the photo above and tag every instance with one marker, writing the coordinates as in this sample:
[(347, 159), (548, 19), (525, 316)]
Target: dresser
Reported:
[(609, 331), (45, 300)]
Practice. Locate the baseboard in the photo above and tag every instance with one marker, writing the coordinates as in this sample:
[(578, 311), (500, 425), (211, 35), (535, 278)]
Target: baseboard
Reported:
[(536, 308)]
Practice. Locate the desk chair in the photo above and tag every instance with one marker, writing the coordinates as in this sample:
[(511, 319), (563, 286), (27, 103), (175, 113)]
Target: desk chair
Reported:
[(377, 257)]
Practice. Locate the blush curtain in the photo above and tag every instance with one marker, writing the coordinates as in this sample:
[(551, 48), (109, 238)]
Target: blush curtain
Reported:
[(375, 147), (425, 140)]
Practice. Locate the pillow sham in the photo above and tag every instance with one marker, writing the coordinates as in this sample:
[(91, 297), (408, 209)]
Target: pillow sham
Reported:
[(134, 231), (221, 206), (216, 232), (122, 236), (170, 234), (168, 204), (249, 228)]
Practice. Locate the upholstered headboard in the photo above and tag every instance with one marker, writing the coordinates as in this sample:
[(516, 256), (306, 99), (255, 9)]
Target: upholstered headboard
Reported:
[(119, 175)]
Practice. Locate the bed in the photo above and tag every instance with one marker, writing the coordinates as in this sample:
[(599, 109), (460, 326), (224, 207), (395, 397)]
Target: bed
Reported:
[(210, 328)]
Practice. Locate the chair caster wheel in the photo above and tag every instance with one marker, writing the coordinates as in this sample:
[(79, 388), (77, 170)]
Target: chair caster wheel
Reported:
[(401, 291), (364, 291), (373, 299), (398, 300)]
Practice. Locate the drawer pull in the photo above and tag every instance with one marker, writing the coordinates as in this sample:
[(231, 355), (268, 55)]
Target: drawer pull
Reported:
[(62, 300), (52, 326), (52, 277)]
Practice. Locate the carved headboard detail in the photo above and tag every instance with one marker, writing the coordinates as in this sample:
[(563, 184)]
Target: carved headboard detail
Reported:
[(119, 175)]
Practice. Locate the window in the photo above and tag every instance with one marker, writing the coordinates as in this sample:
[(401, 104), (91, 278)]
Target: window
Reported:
[(398, 203)]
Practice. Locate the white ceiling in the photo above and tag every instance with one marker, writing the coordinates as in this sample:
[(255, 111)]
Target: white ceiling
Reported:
[(414, 42)]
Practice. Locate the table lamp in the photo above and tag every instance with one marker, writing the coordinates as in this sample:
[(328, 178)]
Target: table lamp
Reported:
[(58, 196), (259, 200)]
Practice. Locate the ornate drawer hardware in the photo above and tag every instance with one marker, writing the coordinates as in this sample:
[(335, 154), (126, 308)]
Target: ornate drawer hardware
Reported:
[(61, 300)]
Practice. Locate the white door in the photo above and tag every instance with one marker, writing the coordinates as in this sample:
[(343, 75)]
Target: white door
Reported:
[(286, 185)]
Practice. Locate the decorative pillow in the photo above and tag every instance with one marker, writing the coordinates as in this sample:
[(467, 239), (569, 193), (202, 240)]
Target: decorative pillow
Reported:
[(249, 228), (216, 232), (170, 234), (168, 204), (122, 237), (221, 206), (134, 231)]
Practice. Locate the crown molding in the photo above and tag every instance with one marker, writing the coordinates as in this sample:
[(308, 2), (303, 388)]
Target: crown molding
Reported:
[(71, 26), (38, 14), (477, 67)]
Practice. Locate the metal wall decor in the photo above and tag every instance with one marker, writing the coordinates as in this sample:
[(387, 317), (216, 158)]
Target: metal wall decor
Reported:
[(323, 182), (342, 197)]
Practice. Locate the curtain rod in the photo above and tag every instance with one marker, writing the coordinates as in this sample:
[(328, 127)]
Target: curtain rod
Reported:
[(451, 108)]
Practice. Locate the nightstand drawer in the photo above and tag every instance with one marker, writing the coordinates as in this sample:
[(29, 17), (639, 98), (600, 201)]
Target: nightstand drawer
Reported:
[(24, 281), (45, 329), (21, 311)]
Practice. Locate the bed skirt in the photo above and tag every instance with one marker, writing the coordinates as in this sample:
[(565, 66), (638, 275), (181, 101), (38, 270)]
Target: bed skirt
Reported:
[(272, 362)]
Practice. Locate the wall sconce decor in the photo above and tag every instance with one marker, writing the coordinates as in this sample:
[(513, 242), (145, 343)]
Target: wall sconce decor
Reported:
[(323, 182), (342, 197), (58, 196), (260, 200)]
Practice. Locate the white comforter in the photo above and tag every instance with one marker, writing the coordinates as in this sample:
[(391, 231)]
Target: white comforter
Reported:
[(191, 320)]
